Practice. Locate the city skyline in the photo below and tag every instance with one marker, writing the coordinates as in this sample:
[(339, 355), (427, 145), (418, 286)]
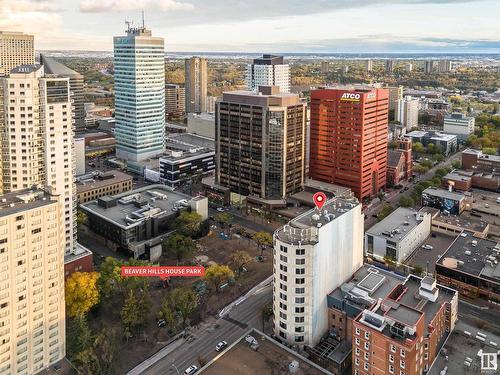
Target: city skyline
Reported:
[(194, 25)]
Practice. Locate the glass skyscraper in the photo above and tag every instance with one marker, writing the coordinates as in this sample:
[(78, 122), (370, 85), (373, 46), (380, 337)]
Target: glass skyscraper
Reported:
[(139, 65)]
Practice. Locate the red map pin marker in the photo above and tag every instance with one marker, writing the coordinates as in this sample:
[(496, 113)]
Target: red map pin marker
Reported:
[(319, 199)]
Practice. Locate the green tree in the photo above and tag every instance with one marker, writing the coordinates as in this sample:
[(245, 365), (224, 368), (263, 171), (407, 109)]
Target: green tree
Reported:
[(262, 239), (81, 219), (441, 172), (418, 270), (393, 145), (385, 211), (184, 300), (79, 336), (81, 293), (239, 259), (420, 169), (418, 148), (167, 312), (178, 246), (438, 157), (406, 201), (134, 310), (489, 151), (109, 277), (223, 218), (426, 163), (188, 223), (456, 164), (105, 349), (217, 275)]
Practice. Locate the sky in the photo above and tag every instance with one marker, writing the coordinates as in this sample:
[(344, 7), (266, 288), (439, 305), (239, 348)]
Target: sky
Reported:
[(454, 26)]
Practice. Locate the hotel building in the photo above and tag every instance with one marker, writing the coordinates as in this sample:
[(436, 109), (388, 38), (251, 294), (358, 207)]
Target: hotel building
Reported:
[(268, 70)]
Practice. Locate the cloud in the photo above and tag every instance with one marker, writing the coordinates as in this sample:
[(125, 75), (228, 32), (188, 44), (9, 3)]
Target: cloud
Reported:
[(97, 6), (32, 17)]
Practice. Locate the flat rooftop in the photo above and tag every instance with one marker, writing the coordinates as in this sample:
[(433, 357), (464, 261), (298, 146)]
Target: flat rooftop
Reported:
[(443, 193), (191, 140), (480, 155), (94, 181), (23, 200), (269, 359), (305, 227), (476, 256), (398, 224), (132, 206)]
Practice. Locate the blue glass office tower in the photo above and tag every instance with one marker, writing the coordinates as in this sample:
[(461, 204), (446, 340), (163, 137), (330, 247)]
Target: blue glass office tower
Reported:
[(139, 94)]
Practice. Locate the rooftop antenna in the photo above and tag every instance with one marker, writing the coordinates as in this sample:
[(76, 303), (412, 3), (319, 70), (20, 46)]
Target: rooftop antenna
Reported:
[(127, 22), (143, 19)]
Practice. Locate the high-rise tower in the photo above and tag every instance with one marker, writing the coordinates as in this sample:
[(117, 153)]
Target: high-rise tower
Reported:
[(268, 70), (196, 84)]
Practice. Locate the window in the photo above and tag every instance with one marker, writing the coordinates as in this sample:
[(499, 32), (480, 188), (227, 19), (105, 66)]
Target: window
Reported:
[(282, 306), (300, 251), (366, 366), (367, 335), (283, 258), (300, 281), (356, 361), (393, 348), (284, 249), (401, 373), (356, 372), (300, 271), (367, 355), (283, 325), (300, 261), (367, 345), (391, 369), (358, 331), (357, 341), (402, 364), (299, 329), (299, 299), (299, 310), (391, 358), (282, 315), (402, 353), (299, 290), (299, 319), (299, 338), (283, 296), (283, 268), (356, 351)]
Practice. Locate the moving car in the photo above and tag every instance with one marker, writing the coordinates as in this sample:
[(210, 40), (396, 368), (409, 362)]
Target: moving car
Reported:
[(427, 247), (221, 345), (220, 209), (191, 370)]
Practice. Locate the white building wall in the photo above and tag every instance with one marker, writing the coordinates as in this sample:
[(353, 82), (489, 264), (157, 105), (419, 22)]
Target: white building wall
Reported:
[(268, 75), (79, 156), (327, 264)]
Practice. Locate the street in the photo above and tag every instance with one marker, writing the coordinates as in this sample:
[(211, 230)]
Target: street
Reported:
[(240, 319)]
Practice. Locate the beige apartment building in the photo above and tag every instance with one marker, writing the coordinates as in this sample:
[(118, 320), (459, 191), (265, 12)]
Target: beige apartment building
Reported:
[(196, 84), (38, 147), (32, 312), (92, 187), (15, 49)]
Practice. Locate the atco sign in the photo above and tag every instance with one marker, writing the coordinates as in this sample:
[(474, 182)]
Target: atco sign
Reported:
[(350, 97)]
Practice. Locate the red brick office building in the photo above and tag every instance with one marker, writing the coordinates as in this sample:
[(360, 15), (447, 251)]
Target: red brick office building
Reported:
[(348, 138)]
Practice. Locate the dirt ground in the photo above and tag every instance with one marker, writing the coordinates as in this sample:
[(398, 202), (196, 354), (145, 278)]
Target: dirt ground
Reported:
[(151, 338)]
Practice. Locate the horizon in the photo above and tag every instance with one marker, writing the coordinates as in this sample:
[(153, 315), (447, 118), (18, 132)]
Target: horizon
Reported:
[(316, 26)]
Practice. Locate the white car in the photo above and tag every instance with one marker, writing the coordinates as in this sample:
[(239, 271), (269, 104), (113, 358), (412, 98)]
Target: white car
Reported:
[(221, 345), (220, 209), (191, 370), (427, 247)]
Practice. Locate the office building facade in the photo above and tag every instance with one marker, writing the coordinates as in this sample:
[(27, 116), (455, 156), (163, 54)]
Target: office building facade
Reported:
[(40, 135), (460, 125), (268, 70), (179, 167), (348, 141), (428, 66), (32, 316), (175, 100), (389, 66), (313, 254), (444, 66), (139, 63), (196, 73), (15, 49), (51, 66), (369, 65), (260, 143)]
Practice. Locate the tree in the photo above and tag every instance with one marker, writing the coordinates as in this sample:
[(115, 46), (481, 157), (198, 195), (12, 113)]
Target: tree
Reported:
[(418, 148), (438, 157), (109, 276), (223, 218), (135, 308), (262, 239), (239, 259), (217, 275), (79, 336), (456, 164), (420, 169), (426, 163), (167, 312), (178, 246), (385, 211), (188, 223), (393, 145), (81, 219), (81, 293), (184, 300), (489, 151), (406, 201), (418, 270)]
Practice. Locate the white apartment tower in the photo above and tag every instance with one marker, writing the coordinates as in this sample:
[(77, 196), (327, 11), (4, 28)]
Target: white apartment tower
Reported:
[(139, 60), (15, 49), (268, 70), (32, 311), (39, 136), (369, 65), (314, 254), (407, 112)]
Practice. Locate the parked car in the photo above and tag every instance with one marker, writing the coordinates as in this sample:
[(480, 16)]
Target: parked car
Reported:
[(427, 247), (250, 339), (191, 370), (221, 345), (161, 323), (220, 209)]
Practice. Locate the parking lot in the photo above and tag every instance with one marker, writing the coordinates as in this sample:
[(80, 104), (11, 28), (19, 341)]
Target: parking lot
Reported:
[(439, 242)]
